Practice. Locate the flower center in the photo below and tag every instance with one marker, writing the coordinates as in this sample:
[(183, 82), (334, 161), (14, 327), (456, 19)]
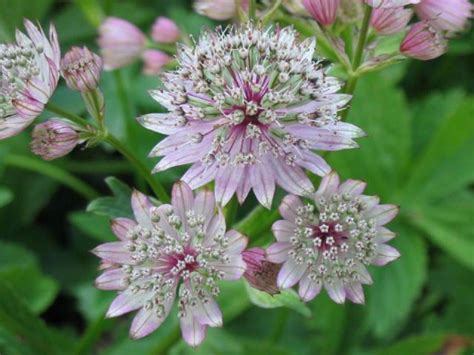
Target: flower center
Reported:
[(183, 264), (328, 235)]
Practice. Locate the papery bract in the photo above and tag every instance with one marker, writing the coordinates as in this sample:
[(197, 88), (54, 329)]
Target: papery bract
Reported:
[(447, 15), (180, 250), (390, 21), (261, 273), (423, 42), (53, 139), (330, 241), (323, 11), (29, 74), (248, 107)]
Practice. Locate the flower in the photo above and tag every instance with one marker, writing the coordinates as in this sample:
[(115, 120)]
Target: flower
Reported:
[(53, 139), (29, 74), (261, 274), (165, 30), (423, 42), (447, 15), (120, 42), (173, 250), (247, 108), (331, 241), (390, 21), (154, 61), (219, 9), (81, 69), (390, 3), (323, 11)]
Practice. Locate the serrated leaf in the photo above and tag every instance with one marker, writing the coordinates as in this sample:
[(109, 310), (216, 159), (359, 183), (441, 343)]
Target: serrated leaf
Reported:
[(287, 298), (116, 206)]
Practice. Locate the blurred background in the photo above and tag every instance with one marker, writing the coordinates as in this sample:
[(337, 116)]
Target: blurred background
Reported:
[(419, 154)]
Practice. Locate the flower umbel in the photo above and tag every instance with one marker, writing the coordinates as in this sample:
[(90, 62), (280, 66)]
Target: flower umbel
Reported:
[(53, 139), (329, 243), (183, 245), (247, 108), (29, 74), (81, 69)]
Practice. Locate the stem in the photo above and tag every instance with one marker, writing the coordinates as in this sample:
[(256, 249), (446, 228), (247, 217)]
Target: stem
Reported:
[(52, 171), (268, 16), (157, 188), (166, 344), (65, 114), (252, 9), (91, 335)]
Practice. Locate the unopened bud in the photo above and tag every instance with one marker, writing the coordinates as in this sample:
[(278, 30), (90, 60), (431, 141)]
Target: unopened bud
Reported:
[(53, 139), (261, 273), (81, 69)]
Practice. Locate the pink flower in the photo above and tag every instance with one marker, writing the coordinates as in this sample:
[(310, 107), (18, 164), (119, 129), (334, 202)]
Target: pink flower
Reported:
[(447, 15), (53, 139), (390, 21), (81, 69), (423, 42), (154, 61), (330, 242), (120, 42), (29, 74), (165, 30), (261, 274), (390, 3), (323, 11), (183, 245), (219, 9), (249, 127)]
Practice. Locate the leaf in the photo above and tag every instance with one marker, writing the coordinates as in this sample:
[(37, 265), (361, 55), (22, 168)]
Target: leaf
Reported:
[(6, 196), (20, 269), (420, 345), (397, 285), (116, 206), (287, 298), (92, 225), (217, 342)]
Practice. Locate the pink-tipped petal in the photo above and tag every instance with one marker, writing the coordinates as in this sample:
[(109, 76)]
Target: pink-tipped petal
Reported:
[(141, 209), (283, 230), (290, 274), (114, 252), (121, 227), (355, 293), (112, 279), (336, 291), (278, 252), (383, 214), (308, 289), (385, 255), (192, 331)]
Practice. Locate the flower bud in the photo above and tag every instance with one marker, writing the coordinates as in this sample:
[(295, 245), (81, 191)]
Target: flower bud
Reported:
[(386, 4), (165, 30), (323, 11), (219, 9), (390, 21), (154, 61), (261, 273), (81, 69), (120, 42), (448, 15), (423, 42), (53, 139)]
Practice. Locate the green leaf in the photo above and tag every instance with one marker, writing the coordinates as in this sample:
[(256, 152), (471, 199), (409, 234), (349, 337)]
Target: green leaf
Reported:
[(397, 285), (92, 225), (419, 345), (116, 206), (287, 298), (217, 342), (20, 269), (6, 196)]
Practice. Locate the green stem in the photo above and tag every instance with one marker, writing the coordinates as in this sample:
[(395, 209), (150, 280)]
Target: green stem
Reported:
[(252, 9), (91, 335), (68, 115), (52, 171), (268, 16), (167, 343), (157, 188), (257, 222)]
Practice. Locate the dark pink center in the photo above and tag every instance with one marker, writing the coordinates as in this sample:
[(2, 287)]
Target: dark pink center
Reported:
[(326, 230)]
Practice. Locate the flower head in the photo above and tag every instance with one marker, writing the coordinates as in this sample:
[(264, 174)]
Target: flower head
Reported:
[(390, 3), (180, 250), (154, 61), (120, 42), (261, 273), (390, 21), (247, 108), (29, 74), (53, 139), (330, 242), (423, 42), (165, 30), (219, 9), (81, 69), (448, 15), (323, 11)]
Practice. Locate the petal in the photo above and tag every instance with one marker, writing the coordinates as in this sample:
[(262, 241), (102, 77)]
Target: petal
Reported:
[(263, 184), (121, 226), (199, 175), (234, 269), (309, 289), (329, 185), (383, 214), (182, 199), (385, 254), (127, 301), (292, 178), (111, 280), (355, 293), (245, 185), (352, 187), (164, 123), (114, 252), (290, 274), (336, 291), (314, 163), (384, 235), (227, 180), (192, 331), (278, 252), (289, 206), (208, 312), (364, 275), (346, 129), (237, 242), (11, 126), (283, 230), (141, 209), (205, 204)]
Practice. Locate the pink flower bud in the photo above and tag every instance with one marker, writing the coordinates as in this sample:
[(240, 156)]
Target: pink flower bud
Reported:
[(120, 42), (261, 273), (447, 15), (323, 11), (81, 69), (390, 21), (53, 139), (165, 30), (423, 42), (219, 9), (386, 4), (154, 61)]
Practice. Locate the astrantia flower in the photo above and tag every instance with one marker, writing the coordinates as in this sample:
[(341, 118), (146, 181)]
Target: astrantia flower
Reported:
[(447, 15), (29, 73), (53, 139), (247, 108), (423, 42), (390, 3), (173, 250), (329, 243)]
